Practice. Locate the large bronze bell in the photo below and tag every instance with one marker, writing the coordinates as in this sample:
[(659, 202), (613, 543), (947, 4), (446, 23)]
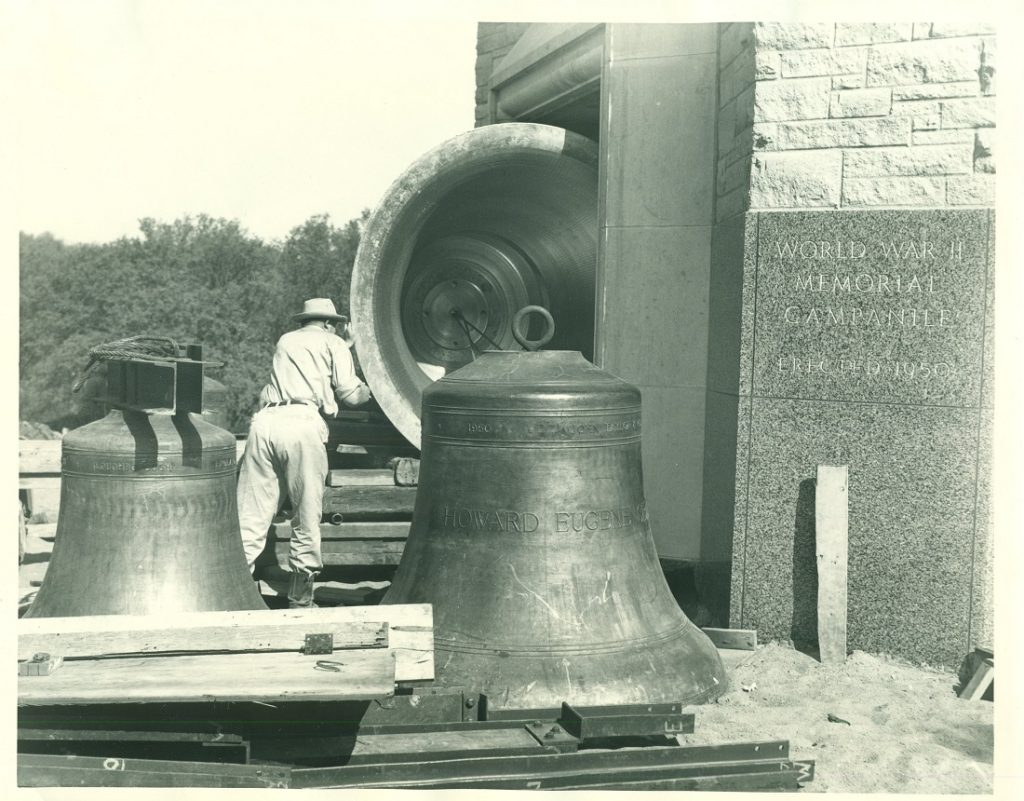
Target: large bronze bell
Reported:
[(530, 537), (495, 219), (148, 522)]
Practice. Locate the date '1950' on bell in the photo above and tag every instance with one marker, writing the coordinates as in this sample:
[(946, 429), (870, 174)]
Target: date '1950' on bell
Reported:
[(530, 537)]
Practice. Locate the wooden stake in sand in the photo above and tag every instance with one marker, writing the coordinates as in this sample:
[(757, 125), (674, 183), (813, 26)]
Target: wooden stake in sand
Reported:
[(831, 529)]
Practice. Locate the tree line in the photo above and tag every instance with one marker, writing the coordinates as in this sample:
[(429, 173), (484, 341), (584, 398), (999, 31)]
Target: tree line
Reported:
[(197, 279)]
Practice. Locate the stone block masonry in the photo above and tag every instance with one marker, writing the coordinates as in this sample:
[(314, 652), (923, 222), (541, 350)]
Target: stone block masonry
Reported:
[(906, 109), (850, 309)]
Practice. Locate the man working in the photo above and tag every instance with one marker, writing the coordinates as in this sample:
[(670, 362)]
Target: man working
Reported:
[(284, 453)]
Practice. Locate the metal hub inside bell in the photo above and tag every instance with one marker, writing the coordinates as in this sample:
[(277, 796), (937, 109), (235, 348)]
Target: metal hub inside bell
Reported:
[(459, 295)]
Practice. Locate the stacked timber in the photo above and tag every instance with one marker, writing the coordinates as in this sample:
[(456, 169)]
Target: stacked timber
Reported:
[(368, 503)]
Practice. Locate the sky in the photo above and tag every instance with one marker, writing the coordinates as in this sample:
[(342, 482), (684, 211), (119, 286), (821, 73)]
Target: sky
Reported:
[(266, 112)]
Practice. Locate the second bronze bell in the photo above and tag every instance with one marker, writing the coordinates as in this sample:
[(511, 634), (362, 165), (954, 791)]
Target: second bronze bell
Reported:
[(148, 522)]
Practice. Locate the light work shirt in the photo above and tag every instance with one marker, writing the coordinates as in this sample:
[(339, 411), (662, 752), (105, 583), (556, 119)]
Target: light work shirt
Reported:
[(312, 364)]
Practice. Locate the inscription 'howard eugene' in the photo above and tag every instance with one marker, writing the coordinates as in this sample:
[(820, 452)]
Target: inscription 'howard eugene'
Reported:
[(507, 520)]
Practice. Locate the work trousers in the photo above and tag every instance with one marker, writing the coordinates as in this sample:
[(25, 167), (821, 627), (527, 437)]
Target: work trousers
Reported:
[(284, 456)]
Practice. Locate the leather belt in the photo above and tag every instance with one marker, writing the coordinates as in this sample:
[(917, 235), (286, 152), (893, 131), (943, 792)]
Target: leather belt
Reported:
[(289, 403)]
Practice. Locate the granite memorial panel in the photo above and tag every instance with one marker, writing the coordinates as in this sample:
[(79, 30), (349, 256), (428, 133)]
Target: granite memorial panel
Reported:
[(868, 348)]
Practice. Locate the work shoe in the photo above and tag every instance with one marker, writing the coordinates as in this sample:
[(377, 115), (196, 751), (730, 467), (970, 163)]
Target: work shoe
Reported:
[(300, 590)]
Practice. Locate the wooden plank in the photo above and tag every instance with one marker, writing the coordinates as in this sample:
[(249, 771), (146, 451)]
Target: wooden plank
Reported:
[(831, 529), (269, 637), (358, 500), (359, 428), (738, 639), (39, 482), (39, 456), (361, 675), (363, 530), (410, 637), (980, 681), (360, 478), (410, 629), (22, 533), (342, 553), (43, 531)]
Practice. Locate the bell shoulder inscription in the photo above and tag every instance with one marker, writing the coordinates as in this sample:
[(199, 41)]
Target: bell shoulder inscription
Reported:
[(505, 426)]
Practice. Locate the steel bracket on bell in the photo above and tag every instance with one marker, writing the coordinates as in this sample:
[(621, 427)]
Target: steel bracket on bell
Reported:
[(316, 644), (153, 385)]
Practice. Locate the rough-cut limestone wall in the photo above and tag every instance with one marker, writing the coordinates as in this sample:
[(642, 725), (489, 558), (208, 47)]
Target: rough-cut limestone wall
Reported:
[(855, 115), (493, 41)]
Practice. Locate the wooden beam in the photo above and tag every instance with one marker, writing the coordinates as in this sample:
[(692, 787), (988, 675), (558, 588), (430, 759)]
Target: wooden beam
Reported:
[(39, 482), (39, 456), (365, 530), (360, 478), (361, 675), (350, 552), (204, 638), (42, 531), (360, 428), (410, 630), (383, 500), (831, 530), (980, 681), (739, 639)]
